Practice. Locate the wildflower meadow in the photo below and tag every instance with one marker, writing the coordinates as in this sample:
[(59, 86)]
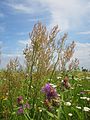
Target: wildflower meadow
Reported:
[(50, 86)]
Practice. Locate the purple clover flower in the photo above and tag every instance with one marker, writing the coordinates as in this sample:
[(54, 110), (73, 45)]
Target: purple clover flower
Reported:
[(19, 100), (27, 106), (20, 110), (46, 88), (82, 92), (22, 107), (49, 91)]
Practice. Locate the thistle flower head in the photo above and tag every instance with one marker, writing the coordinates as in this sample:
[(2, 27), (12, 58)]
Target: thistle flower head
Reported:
[(49, 91)]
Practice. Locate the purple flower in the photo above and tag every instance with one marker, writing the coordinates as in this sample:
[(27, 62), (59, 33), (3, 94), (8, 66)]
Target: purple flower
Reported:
[(82, 92), (20, 110), (20, 100), (27, 106), (49, 91), (22, 107), (46, 88)]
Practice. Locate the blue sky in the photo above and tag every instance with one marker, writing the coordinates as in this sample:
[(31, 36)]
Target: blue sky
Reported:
[(17, 18)]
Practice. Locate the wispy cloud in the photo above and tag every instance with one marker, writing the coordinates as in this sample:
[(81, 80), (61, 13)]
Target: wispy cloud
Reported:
[(21, 8), (11, 55), (38, 19), (84, 33), (22, 33), (24, 42), (27, 6)]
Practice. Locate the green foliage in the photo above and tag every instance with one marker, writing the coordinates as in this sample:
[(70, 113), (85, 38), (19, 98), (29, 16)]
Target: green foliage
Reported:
[(78, 96)]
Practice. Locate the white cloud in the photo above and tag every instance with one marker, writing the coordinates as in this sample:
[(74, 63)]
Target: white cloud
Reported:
[(38, 19), (82, 52), (27, 6), (21, 8), (67, 14), (11, 55), (5, 58), (22, 33), (24, 42), (84, 33)]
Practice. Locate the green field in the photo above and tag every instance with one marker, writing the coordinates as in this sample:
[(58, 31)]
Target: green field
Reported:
[(70, 104)]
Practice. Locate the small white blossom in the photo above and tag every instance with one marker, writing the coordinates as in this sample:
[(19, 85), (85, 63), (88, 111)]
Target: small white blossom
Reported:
[(57, 110), (78, 107), (5, 79), (40, 110), (72, 88), (31, 86), (48, 79), (88, 99), (86, 109), (83, 98), (62, 81), (7, 93), (79, 85), (88, 78), (70, 114), (59, 77), (54, 86), (76, 79), (68, 104)]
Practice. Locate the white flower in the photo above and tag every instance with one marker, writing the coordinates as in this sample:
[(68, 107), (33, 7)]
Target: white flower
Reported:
[(48, 79), (88, 78), (62, 81), (83, 98), (79, 85), (31, 86), (68, 104), (7, 93), (59, 77), (40, 110), (80, 79), (70, 114), (57, 110), (78, 107), (72, 88), (88, 99), (76, 79), (86, 109), (54, 86)]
